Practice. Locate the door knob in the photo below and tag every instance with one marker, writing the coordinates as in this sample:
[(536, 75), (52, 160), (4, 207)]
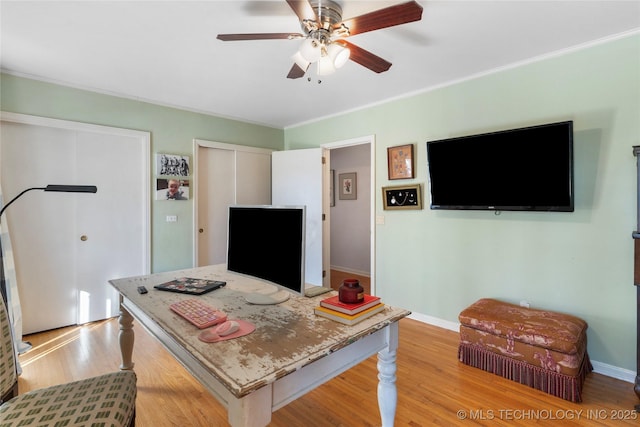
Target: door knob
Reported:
[(83, 238)]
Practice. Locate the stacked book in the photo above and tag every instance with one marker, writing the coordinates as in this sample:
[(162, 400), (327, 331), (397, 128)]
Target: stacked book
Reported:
[(349, 314)]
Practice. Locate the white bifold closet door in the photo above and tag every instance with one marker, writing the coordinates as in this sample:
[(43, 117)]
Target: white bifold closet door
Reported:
[(68, 245), (226, 174)]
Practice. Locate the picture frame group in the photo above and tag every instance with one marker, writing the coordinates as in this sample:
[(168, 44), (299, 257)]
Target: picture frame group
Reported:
[(172, 182)]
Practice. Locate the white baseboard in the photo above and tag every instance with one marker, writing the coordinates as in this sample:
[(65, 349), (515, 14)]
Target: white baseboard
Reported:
[(430, 320), (351, 271), (614, 371), (598, 367)]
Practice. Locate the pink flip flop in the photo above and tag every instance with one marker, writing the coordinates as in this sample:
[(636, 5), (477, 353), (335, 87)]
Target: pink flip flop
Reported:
[(226, 331)]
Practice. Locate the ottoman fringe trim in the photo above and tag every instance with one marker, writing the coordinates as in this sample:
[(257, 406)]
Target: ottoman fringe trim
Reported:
[(556, 384)]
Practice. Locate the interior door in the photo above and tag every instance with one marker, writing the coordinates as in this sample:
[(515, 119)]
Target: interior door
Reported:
[(45, 273), (297, 179), (215, 171), (107, 223), (67, 246)]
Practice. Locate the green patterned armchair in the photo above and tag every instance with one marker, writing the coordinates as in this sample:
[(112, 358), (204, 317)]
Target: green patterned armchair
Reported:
[(103, 401)]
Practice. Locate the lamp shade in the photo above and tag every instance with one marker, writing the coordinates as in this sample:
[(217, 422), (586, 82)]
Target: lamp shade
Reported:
[(300, 61), (338, 54), (311, 50), (325, 66)]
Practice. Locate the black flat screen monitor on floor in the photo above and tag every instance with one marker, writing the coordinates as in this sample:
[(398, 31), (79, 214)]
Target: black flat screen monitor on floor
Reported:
[(268, 242)]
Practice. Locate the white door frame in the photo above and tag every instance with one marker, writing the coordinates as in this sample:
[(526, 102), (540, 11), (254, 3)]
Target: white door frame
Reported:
[(369, 139)]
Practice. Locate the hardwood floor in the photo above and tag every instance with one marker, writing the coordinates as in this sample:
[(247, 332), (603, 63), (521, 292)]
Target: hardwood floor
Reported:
[(433, 387)]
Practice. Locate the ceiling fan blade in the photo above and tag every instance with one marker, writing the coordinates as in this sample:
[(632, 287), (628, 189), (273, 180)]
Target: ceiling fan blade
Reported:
[(303, 9), (259, 36), (383, 18), (366, 58), (296, 72)]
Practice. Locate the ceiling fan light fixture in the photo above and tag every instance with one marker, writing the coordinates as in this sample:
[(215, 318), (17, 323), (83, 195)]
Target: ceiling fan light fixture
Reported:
[(311, 50), (325, 66), (300, 61), (338, 54)]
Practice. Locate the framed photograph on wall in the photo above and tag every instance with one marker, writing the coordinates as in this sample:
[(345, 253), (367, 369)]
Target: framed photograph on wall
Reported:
[(400, 160), (172, 165), (172, 189), (347, 186)]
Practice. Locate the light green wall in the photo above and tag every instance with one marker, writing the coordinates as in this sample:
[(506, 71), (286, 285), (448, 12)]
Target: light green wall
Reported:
[(172, 131), (437, 262)]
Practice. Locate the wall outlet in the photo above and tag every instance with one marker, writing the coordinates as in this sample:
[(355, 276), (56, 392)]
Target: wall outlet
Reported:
[(524, 303)]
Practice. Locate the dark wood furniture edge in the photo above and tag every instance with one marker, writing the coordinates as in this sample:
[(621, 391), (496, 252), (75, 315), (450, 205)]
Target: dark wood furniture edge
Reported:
[(636, 277)]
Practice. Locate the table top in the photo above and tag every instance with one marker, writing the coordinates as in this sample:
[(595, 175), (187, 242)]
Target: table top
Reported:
[(288, 335)]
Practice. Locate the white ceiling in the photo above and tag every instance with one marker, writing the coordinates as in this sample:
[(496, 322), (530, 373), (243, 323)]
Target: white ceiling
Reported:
[(166, 52)]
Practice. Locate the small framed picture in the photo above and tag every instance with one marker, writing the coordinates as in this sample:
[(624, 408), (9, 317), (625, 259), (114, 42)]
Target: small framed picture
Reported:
[(172, 189), (172, 164), (400, 160), (402, 197), (348, 186)]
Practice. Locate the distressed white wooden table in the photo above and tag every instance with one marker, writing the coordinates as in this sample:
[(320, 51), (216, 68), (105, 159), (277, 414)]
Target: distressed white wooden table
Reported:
[(291, 352)]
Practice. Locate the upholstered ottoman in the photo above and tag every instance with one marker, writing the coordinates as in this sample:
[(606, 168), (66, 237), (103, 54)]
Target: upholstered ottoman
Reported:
[(542, 349)]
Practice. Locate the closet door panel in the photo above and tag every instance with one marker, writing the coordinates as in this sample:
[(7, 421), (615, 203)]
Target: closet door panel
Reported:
[(216, 191), (226, 174), (41, 224), (253, 178), (108, 239)]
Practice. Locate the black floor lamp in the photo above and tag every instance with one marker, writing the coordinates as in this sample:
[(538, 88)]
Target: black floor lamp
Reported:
[(56, 188)]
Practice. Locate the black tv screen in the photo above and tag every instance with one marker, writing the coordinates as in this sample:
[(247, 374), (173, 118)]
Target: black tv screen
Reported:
[(268, 242), (525, 169)]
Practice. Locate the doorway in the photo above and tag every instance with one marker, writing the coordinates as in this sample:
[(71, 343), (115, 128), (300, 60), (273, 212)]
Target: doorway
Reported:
[(351, 226)]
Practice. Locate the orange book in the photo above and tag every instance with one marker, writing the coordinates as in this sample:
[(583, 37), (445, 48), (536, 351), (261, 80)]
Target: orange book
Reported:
[(334, 304), (345, 318)]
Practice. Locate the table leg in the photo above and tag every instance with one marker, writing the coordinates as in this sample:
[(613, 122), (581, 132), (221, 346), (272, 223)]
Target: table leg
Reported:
[(126, 338), (387, 391), (253, 410)]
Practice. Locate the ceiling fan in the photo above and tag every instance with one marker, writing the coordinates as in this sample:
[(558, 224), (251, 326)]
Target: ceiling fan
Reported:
[(324, 34)]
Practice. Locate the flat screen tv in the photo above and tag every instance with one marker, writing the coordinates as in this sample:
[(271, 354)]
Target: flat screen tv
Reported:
[(524, 169), (268, 242)]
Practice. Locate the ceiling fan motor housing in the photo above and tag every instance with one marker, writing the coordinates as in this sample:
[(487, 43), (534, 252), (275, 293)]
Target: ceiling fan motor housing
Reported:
[(329, 14)]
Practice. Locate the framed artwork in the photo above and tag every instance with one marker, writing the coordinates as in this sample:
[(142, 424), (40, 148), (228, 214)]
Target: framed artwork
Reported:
[(172, 165), (400, 160), (172, 189), (347, 186), (402, 197)]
